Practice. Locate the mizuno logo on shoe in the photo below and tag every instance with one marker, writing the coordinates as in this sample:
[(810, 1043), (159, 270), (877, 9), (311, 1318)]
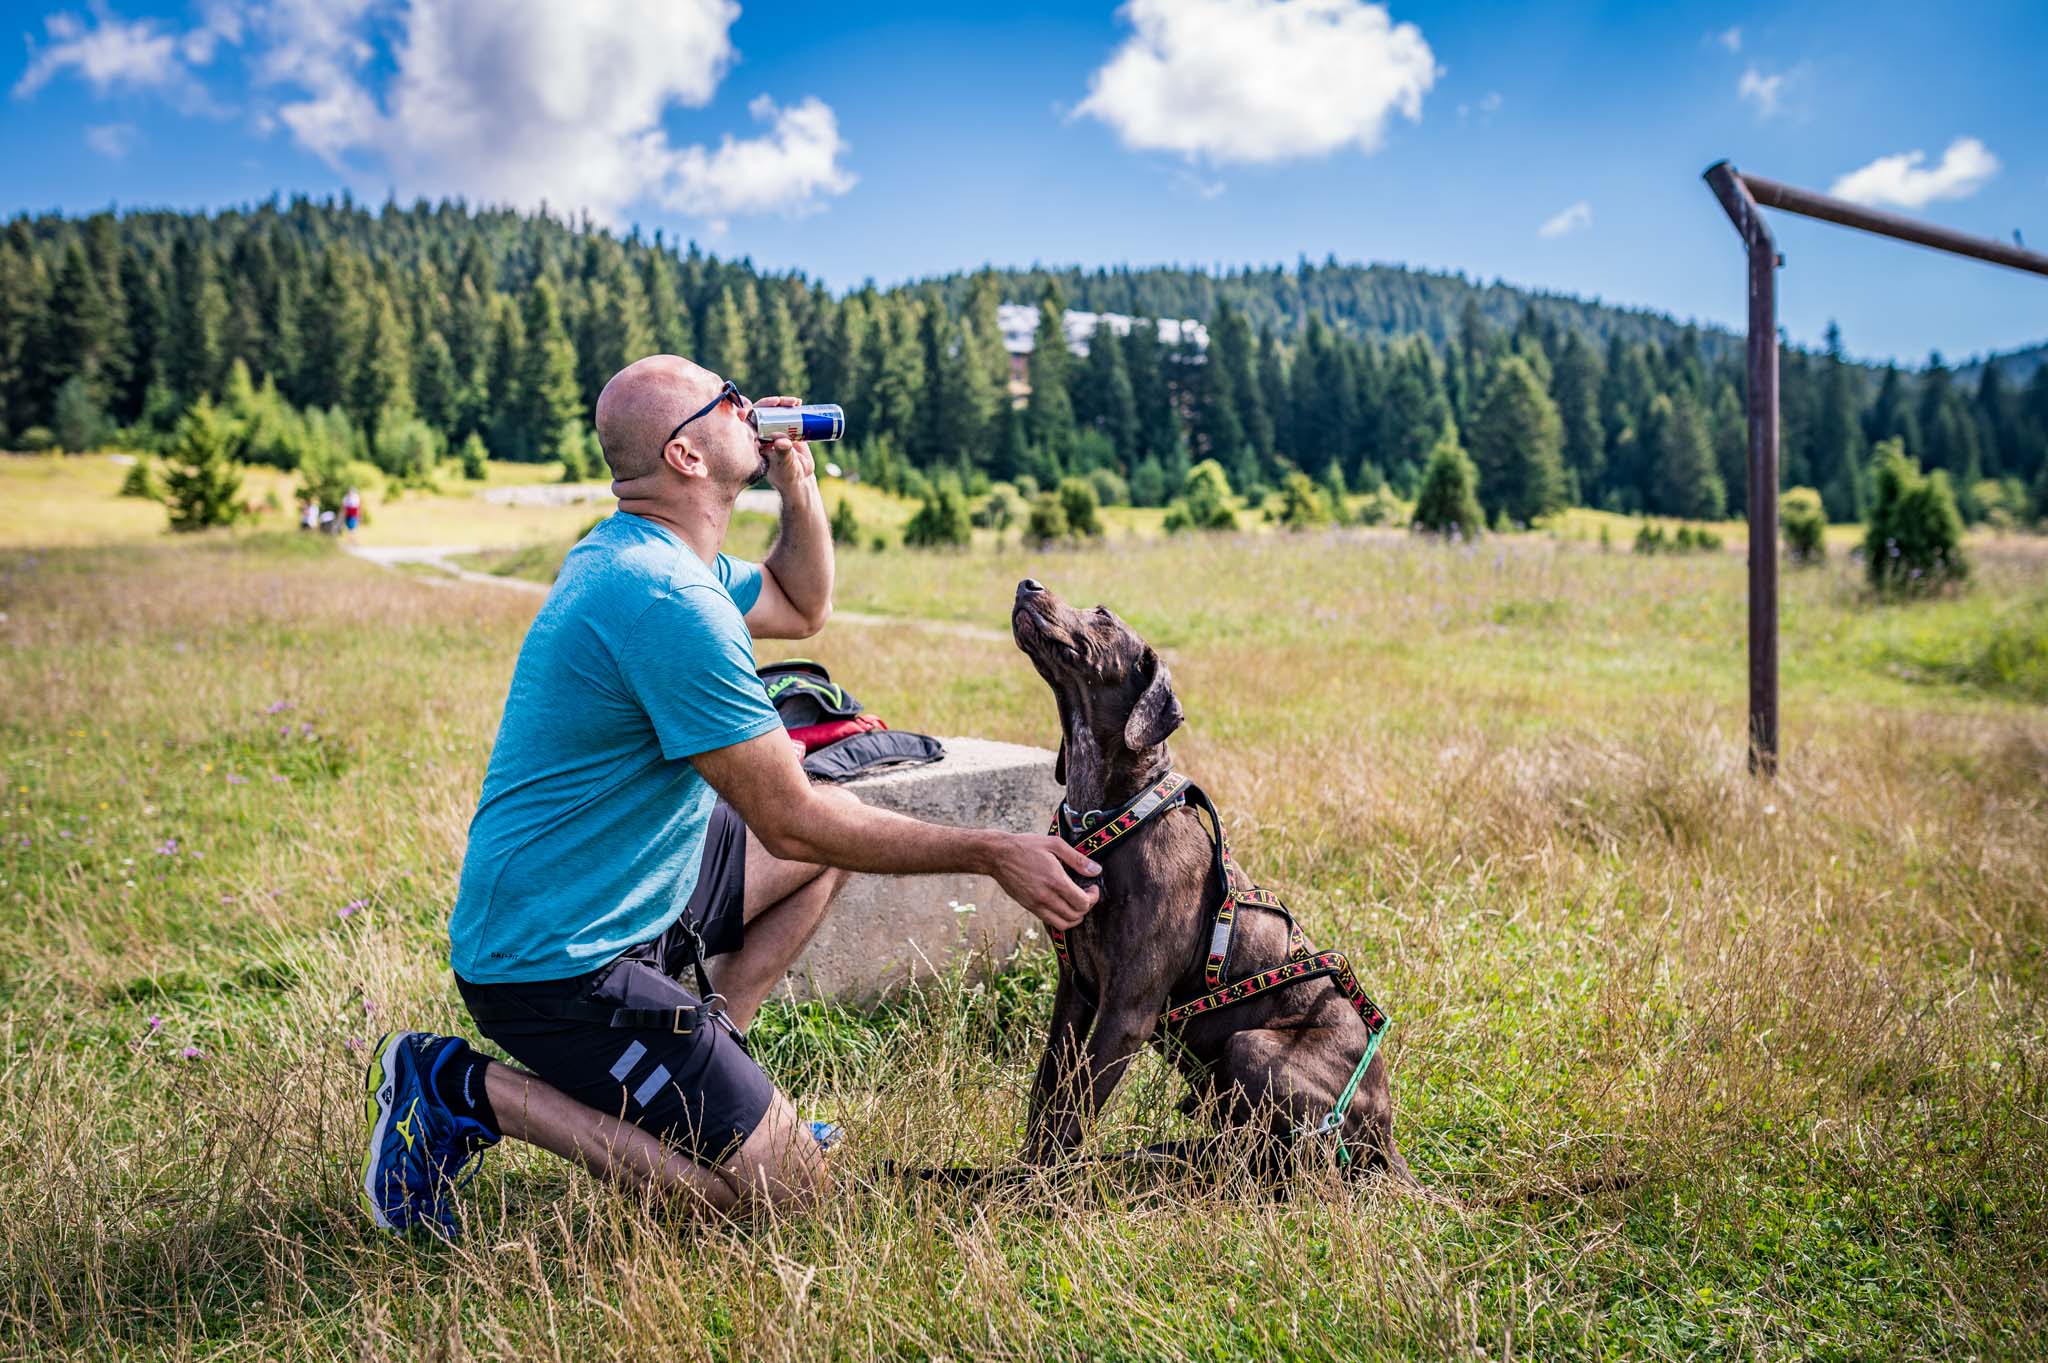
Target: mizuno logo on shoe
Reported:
[(403, 1125)]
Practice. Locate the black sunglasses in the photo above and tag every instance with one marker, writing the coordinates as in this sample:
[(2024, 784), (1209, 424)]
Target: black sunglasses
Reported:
[(730, 390)]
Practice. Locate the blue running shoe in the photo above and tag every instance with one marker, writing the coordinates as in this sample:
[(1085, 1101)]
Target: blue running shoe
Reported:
[(826, 1134), (418, 1149)]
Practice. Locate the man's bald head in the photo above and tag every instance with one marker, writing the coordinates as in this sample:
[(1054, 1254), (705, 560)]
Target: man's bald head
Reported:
[(642, 404)]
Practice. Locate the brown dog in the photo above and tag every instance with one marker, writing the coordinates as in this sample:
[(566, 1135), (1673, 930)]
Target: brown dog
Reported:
[(1270, 1066)]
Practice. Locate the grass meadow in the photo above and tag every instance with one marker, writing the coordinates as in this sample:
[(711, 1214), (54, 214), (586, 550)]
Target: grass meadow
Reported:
[(1809, 1019)]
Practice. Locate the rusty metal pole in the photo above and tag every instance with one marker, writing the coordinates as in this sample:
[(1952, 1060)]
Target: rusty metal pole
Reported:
[(1763, 462)]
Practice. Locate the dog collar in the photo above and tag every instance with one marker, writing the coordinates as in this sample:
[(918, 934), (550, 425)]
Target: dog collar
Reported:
[(1093, 830)]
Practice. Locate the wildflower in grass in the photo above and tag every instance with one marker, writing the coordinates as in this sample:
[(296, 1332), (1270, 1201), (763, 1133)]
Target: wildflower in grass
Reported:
[(168, 848), (156, 1024), (192, 1053), (277, 707), (235, 780), (348, 910), (354, 1043), (280, 780)]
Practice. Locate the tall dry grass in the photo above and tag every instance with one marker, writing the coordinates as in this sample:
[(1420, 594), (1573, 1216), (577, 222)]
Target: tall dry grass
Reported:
[(1807, 1017)]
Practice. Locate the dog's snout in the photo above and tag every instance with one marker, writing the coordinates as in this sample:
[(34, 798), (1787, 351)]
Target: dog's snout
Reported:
[(1030, 586)]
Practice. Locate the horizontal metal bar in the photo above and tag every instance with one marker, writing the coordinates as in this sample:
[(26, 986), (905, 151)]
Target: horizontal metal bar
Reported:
[(1793, 199)]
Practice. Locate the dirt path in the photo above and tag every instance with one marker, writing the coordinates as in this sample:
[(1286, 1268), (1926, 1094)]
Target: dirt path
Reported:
[(441, 558)]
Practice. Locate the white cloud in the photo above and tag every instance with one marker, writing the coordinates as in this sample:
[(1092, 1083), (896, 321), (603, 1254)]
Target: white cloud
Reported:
[(1260, 80), (512, 101), (784, 171), (111, 140), (1766, 92), (1904, 180), (106, 54), (1577, 218), (1730, 38)]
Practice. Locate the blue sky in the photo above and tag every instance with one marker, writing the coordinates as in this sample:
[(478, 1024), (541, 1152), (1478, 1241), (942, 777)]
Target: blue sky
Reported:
[(1556, 146)]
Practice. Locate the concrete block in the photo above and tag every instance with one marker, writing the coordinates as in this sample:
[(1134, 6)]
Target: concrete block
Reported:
[(882, 930)]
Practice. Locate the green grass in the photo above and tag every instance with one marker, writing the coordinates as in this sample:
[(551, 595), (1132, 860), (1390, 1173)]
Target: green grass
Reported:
[(1811, 1018)]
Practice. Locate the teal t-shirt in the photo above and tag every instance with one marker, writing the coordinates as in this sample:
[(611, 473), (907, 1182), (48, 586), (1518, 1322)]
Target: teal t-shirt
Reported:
[(591, 825)]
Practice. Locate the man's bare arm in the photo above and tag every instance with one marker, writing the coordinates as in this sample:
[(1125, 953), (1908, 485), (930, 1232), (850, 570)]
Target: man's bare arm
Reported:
[(763, 781), (796, 577)]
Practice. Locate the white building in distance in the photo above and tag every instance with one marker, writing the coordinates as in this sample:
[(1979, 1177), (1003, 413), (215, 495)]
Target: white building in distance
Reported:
[(1019, 322)]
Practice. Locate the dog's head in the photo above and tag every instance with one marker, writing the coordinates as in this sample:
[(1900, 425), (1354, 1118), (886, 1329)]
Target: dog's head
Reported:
[(1116, 699)]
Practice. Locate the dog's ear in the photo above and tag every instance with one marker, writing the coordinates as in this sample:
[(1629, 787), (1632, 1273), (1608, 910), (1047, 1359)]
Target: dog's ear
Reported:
[(1157, 712)]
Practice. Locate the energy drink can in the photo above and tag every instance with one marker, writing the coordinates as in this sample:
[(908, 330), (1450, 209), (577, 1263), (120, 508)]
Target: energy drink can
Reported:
[(812, 421)]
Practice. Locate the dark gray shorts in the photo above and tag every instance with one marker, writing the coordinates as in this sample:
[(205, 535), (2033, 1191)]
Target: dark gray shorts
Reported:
[(701, 1092)]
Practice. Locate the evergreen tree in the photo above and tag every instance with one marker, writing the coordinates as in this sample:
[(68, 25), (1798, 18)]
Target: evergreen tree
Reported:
[(1685, 481), (383, 384), (896, 383), (1110, 406), (777, 362), (1447, 502), (668, 319), (194, 360), (1575, 387), (1274, 395), (200, 484), (437, 390), (1838, 435), (1515, 440), (1729, 430), (722, 340), (1413, 414), (1158, 425), (77, 338), (1913, 539), (337, 329), (80, 421), (1050, 410), (548, 404), (615, 333)]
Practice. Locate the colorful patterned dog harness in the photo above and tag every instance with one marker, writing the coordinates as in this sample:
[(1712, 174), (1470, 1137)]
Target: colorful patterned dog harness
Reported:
[(1096, 831)]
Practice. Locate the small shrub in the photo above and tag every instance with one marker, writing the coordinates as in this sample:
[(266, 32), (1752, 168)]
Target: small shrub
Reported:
[(140, 480), (37, 440), (1204, 502), (1110, 487), (200, 483), (475, 458), (1302, 503), (1686, 539), (1078, 501), (1148, 483), (1047, 523), (845, 525), (1913, 539), (1804, 520), (1447, 503), (941, 523), (998, 511), (879, 544)]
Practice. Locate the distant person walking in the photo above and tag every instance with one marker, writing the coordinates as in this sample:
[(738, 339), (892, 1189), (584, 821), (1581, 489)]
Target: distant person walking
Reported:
[(309, 515), (352, 510), (644, 811)]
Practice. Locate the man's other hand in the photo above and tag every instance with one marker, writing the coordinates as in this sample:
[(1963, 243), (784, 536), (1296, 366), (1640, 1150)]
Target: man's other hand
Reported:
[(789, 461), (1034, 871)]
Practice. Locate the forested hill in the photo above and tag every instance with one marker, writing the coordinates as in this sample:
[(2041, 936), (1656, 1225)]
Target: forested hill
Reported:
[(1386, 302), (406, 335)]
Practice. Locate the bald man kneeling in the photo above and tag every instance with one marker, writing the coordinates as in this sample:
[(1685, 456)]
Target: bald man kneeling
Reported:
[(647, 857)]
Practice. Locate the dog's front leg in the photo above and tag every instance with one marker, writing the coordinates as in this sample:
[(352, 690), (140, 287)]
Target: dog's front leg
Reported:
[(1059, 1069), (1079, 1090)]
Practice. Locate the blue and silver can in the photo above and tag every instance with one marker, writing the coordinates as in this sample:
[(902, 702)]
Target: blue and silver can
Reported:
[(812, 421)]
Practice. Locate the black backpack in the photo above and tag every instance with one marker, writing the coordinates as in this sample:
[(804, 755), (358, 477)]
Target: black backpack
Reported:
[(803, 693)]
